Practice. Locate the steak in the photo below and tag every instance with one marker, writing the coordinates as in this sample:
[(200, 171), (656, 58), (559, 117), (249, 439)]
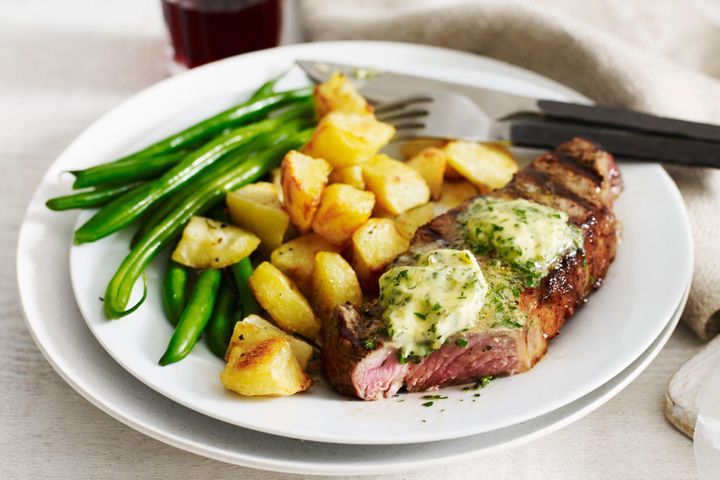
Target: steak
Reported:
[(578, 178)]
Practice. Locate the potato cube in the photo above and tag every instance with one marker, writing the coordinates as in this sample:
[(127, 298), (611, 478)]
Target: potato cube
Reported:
[(396, 186), (256, 208), (333, 283), (407, 223), (345, 139), (276, 179), (206, 243), (430, 164), (343, 209), (455, 193), (486, 164), (374, 246), (254, 329), (303, 181), (412, 147), (338, 93), (287, 306), (297, 257), (350, 175), (268, 368)]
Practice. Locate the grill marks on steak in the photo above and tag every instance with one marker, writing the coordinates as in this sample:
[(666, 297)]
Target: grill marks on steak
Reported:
[(578, 178)]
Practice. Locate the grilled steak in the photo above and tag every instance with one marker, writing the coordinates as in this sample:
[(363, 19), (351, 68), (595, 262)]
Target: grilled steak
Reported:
[(577, 178)]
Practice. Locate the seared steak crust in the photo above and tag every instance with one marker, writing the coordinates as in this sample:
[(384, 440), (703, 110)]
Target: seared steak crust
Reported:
[(578, 178)]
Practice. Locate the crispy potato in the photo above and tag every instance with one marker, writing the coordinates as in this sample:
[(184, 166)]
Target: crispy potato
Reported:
[(374, 246), (412, 147), (254, 329), (342, 210), (333, 283), (350, 175), (268, 368), (482, 164), (206, 243), (430, 164), (276, 179), (338, 93), (256, 208), (297, 257), (282, 299), (455, 193), (407, 223), (345, 139), (303, 181), (396, 186)]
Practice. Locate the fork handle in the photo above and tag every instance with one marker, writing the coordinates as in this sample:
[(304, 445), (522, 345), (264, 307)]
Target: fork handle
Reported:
[(546, 133), (629, 119)]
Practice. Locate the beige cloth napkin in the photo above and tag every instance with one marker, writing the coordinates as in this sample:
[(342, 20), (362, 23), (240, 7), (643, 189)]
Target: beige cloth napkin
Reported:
[(661, 56)]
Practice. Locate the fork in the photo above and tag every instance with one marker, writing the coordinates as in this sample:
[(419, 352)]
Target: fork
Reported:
[(445, 114)]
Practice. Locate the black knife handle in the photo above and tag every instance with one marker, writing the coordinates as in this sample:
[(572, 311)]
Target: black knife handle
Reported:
[(629, 119), (547, 133)]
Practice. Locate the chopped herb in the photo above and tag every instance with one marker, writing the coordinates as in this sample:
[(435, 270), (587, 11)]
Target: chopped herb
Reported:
[(369, 343), (421, 316), (434, 397), (428, 404), (461, 342)]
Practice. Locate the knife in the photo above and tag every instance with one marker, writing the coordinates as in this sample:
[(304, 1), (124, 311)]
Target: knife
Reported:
[(381, 85)]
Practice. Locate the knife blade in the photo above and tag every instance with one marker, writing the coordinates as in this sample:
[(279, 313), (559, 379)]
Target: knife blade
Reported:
[(381, 86)]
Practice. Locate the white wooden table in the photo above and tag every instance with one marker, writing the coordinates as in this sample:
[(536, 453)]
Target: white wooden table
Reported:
[(63, 64)]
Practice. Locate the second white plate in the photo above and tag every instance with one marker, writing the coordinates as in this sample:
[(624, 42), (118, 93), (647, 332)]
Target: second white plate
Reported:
[(642, 290)]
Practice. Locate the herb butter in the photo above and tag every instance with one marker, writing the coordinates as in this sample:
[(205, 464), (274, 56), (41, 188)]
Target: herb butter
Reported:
[(527, 235), (426, 303)]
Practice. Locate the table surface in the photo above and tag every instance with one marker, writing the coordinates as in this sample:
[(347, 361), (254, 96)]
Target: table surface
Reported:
[(62, 65)]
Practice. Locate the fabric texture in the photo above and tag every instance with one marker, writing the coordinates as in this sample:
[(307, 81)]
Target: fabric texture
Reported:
[(662, 57)]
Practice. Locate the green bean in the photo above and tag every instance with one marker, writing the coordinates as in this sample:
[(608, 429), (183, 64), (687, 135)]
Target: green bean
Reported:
[(172, 201), (124, 171), (203, 197), (230, 118), (220, 328), (194, 317), (174, 292), (241, 273), (125, 209), (89, 199), (266, 89)]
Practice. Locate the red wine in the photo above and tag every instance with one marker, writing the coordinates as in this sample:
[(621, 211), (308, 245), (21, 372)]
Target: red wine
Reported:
[(205, 30)]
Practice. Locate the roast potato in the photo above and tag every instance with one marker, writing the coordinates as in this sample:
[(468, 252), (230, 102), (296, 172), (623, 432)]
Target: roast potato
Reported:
[(338, 93), (455, 193), (350, 175), (285, 303), (345, 138), (303, 181), (342, 210), (483, 164), (396, 186), (297, 257), (254, 329), (206, 243), (407, 223), (268, 368), (333, 283), (430, 164), (256, 208), (412, 147), (374, 246)]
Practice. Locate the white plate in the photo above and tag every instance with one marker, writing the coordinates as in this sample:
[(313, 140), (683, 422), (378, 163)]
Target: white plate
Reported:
[(56, 325), (641, 291)]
